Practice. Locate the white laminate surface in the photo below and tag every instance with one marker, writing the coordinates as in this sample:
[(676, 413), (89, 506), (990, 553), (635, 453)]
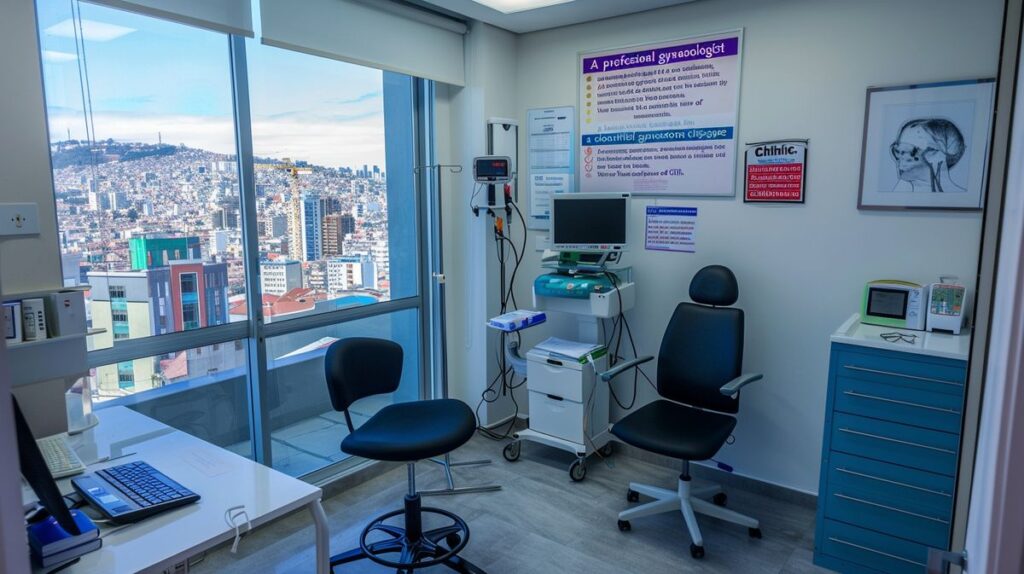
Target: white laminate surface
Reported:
[(944, 345), (222, 478)]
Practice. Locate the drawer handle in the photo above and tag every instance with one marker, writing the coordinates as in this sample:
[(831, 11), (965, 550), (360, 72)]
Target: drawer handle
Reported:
[(555, 398), (898, 402), (879, 552), (894, 482), (554, 362), (905, 376), (898, 441), (893, 509)]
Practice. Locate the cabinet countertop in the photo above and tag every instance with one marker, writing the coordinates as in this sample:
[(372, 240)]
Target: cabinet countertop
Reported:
[(944, 345)]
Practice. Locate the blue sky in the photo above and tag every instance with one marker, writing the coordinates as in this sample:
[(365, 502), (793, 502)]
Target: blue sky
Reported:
[(148, 76)]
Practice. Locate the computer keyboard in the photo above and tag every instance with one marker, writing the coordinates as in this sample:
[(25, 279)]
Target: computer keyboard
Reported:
[(133, 491), (61, 459)]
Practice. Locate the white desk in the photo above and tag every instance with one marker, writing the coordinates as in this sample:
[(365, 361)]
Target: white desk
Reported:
[(222, 478), (935, 344)]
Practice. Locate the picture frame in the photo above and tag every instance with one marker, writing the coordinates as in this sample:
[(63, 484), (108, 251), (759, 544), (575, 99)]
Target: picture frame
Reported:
[(926, 146)]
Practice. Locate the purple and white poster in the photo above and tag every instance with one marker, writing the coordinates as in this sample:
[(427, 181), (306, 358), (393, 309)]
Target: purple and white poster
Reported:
[(661, 119)]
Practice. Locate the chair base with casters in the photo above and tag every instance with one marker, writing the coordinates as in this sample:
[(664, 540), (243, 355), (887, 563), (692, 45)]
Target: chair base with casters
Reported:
[(411, 547), (690, 502)]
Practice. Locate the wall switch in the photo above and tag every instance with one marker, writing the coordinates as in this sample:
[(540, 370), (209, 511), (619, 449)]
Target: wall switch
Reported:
[(19, 219)]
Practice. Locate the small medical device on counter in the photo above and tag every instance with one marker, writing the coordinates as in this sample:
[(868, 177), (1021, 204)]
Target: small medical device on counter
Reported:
[(905, 305)]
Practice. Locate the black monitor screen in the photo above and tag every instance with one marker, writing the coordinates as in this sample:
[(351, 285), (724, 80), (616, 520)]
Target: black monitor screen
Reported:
[(598, 221), (890, 303)]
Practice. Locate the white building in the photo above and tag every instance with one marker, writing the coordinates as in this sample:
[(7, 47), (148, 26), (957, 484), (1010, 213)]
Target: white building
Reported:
[(351, 272), (280, 277)]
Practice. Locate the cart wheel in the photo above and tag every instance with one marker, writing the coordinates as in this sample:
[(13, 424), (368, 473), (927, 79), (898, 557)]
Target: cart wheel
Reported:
[(719, 499), (632, 496), (755, 533), (625, 526), (696, 551), (605, 450), (578, 470), (511, 451)]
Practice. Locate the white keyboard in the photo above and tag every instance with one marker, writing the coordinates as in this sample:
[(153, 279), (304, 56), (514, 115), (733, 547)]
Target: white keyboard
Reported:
[(61, 459)]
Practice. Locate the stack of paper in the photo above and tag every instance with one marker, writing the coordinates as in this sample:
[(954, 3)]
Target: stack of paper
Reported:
[(571, 349)]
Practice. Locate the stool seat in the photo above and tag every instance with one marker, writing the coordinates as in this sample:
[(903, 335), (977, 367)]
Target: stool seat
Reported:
[(413, 431)]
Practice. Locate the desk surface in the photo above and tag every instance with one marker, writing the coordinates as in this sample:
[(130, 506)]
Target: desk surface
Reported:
[(945, 345), (222, 478)]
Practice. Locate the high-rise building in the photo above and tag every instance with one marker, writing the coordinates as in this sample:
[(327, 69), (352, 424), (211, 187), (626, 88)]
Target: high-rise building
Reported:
[(335, 227), (280, 276), (312, 229), (151, 251), (351, 272)]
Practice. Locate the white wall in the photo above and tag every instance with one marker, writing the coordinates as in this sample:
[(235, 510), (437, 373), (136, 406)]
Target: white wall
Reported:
[(29, 263), (470, 264), (806, 65)]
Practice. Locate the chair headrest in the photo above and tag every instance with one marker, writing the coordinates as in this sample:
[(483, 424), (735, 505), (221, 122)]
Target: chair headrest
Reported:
[(714, 285)]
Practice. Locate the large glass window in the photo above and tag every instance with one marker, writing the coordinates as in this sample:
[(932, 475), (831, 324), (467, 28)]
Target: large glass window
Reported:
[(144, 168), (329, 187), (152, 203)]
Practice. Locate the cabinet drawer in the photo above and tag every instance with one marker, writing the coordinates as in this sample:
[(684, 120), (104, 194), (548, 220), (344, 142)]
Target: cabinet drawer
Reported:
[(559, 418), (872, 549), (559, 380), (878, 366), (899, 403), (904, 445), (907, 503)]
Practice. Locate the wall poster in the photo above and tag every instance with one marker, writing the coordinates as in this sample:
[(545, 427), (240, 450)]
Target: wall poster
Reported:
[(775, 172), (670, 228), (660, 119)]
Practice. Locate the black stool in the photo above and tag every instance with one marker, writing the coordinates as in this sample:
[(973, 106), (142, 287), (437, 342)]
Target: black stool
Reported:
[(404, 432)]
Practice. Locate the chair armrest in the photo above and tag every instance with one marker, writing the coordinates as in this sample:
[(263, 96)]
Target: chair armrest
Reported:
[(734, 386), (611, 374)]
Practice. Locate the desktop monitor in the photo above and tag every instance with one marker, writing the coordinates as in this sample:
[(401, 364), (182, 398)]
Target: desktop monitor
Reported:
[(36, 473), (591, 222)]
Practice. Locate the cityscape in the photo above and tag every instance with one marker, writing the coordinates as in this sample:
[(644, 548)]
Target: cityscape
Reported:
[(156, 231)]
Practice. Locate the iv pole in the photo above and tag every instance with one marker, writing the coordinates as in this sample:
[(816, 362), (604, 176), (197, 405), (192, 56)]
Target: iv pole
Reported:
[(438, 275)]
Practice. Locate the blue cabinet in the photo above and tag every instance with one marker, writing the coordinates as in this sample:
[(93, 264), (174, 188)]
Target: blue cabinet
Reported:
[(889, 458)]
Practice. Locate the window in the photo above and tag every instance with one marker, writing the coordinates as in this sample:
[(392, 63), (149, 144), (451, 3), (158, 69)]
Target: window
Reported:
[(144, 164), (150, 195)]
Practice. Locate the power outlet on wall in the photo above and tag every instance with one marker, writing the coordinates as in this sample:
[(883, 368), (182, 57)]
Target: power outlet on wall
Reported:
[(19, 219)]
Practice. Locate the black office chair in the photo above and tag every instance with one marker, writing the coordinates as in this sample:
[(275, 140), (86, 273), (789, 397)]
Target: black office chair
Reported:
[(404, 432), (698, 380)]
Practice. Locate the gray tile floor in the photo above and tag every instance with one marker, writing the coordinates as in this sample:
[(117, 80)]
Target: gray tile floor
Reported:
[(542, 522)]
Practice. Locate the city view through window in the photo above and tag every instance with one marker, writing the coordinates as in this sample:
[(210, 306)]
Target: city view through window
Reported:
[(147, 192)]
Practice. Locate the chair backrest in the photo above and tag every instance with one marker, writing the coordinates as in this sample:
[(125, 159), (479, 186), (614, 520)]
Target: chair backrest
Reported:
[(703, 345), (360, 367)]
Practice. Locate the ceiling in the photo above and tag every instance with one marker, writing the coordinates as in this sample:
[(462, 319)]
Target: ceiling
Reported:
[(573, 12)]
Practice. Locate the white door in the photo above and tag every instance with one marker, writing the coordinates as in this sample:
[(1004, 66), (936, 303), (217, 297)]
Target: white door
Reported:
[(995, 523)]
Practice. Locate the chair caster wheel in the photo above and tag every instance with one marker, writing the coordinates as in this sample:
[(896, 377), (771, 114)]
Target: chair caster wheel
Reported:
[(696, 551), (625, 526), (578, 470), (605, 450), (719, 499), (755, 533), (512, 451), (632, 496), (452, 540)]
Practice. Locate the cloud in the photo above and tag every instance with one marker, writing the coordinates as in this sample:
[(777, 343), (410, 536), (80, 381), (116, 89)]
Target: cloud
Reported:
[(375, 95), (91, 30), (55, 57)]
